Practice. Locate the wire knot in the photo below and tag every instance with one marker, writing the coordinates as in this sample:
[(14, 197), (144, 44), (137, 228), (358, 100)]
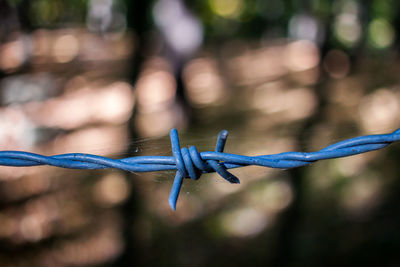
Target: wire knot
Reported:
[(189, 164)]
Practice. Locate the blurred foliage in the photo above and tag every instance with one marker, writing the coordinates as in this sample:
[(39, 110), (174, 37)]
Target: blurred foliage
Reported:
[(348, 20), (50, 13)]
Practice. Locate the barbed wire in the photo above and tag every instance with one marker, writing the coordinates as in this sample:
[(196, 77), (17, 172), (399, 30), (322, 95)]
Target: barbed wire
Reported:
[(189, 163)]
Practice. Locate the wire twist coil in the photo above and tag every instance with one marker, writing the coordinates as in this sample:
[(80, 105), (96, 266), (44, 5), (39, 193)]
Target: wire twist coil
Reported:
[(189, 163)]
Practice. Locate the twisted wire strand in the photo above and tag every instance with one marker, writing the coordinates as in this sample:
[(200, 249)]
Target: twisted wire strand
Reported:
[(190, 163)]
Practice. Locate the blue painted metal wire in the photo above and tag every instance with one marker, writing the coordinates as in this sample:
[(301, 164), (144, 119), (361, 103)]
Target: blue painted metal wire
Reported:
[(189, 163)]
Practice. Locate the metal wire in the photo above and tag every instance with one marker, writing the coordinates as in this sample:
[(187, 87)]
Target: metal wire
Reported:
[(189, 163)]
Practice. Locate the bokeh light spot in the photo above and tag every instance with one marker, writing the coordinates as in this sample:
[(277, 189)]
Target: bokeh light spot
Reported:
[(381, 33), (347, 29), (301, 55), (226, 8), (337, 63), (65, 48)]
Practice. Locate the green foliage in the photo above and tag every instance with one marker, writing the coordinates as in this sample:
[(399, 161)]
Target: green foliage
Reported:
[(52, 13)]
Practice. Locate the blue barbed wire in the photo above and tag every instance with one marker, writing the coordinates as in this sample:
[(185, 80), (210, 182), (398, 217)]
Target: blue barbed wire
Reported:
[(189, 163)]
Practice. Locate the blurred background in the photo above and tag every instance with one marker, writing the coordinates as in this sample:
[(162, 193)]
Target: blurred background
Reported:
[(112, 77)]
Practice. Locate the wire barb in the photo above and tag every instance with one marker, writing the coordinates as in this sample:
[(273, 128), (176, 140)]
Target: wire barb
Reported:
[(189, 163)]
